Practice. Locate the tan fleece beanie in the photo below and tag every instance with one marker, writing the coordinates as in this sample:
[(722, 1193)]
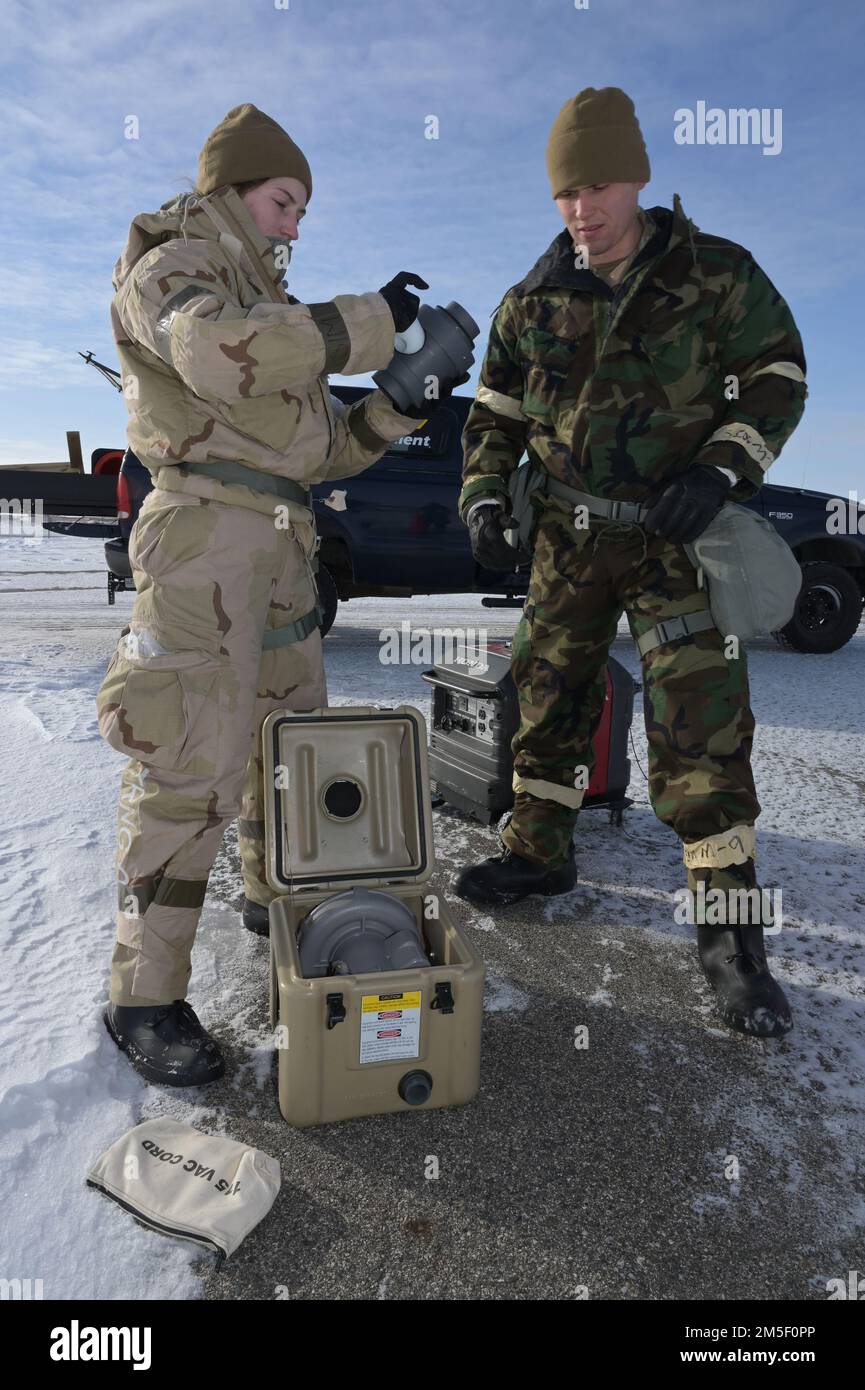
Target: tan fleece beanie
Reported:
[(248, 145), (596, 138)]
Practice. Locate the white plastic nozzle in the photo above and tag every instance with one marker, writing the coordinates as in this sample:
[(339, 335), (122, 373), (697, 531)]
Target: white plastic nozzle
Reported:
[(412, 340)]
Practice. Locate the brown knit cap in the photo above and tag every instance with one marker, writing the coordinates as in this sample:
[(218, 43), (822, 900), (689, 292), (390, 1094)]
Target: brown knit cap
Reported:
[(248, 145), (596, 138)]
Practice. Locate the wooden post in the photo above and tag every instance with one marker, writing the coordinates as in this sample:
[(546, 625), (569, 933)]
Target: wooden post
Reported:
[(73, 444)]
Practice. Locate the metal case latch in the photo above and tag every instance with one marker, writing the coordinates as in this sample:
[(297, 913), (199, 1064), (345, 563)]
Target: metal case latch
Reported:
[(335, 1010), (444, 999)]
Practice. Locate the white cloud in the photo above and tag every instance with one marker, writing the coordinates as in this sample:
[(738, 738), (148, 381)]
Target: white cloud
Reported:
[(27, 362)]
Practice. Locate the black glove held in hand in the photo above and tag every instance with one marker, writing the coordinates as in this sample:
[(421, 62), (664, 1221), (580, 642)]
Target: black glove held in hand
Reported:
[(403, 306), (487, 526), (426, 408), (686, 506)]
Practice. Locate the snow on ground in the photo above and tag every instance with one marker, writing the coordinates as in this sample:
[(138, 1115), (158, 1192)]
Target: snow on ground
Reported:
[(66, 1093)]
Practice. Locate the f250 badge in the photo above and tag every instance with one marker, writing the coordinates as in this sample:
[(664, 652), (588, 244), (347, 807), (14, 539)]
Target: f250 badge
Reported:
[(782, 516)]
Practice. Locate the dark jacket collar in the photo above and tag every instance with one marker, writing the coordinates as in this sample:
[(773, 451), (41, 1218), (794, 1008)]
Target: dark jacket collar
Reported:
[(555, 267)]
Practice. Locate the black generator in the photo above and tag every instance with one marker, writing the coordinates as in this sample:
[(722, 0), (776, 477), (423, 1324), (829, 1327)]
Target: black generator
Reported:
[(475, 715)]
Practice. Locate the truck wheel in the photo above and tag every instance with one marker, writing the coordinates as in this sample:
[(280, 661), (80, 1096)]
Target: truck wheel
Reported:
[(828, 609), (327, 597)]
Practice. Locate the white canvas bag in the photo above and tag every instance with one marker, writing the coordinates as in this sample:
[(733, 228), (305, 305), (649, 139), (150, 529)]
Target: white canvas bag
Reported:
[(183, 1183)]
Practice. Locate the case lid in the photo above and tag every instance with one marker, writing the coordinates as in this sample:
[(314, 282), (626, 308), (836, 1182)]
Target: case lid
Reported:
[(346, 798)]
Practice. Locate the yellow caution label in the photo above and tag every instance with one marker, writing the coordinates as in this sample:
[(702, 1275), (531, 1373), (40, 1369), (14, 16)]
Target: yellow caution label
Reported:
[(375, 1003)]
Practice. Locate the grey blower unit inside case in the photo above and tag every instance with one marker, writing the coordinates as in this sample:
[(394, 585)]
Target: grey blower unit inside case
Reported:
[(359, 931)]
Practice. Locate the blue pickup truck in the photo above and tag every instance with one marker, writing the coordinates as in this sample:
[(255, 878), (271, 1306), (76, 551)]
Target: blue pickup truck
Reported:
[(394, 530)]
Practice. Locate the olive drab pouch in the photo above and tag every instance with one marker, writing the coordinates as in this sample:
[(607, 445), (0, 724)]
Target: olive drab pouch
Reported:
[(193, 1186), (751, 575), (522, 484)]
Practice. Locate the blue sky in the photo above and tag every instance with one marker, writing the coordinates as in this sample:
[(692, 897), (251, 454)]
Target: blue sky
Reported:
[(471, 211)]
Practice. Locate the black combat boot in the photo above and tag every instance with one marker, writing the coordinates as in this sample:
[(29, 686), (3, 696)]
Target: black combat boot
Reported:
[(749, 999), (507, 877), (165, 1043), (255, 918)]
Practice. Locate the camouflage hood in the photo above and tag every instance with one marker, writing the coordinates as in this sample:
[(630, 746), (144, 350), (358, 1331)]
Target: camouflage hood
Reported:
[(219, 216), (556, 265)]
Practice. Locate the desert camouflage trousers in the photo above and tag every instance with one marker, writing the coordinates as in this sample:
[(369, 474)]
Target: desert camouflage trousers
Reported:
[(699, 723), (184, 697)]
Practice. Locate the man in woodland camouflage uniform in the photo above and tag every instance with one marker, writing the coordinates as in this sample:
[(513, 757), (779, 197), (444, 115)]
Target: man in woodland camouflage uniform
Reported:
[(652, 372)]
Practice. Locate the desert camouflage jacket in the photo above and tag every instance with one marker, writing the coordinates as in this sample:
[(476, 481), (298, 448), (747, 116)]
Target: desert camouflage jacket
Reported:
[(218, 362), (694, 358)]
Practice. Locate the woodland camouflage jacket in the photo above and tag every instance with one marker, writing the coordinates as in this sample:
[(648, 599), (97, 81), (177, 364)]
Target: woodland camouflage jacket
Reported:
[(614, 389), (218, 362)]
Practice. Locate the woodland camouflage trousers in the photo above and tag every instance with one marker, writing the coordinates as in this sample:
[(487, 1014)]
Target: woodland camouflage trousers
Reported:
[(699, 723)]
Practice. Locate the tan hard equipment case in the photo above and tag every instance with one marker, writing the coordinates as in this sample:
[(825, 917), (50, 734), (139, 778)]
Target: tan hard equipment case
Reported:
[(334, 1060)]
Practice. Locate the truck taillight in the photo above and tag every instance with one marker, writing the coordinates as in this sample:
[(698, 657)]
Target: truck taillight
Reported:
[(124, 499)]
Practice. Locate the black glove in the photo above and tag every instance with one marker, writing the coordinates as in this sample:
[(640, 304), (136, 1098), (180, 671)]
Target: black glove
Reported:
[(403, 306), (686, 506), (426, 408), (487, 526)]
